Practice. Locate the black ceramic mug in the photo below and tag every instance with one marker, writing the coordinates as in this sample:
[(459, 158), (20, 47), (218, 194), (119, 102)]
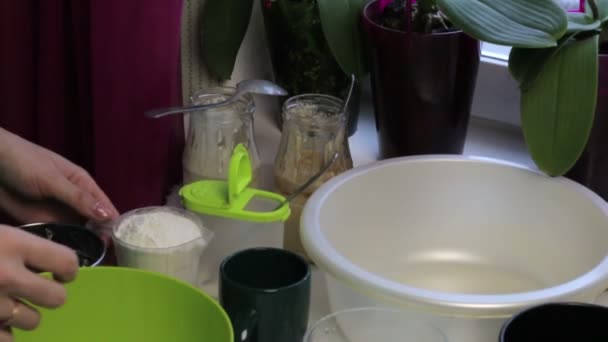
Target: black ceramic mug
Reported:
[(266, 294), (576, 322)]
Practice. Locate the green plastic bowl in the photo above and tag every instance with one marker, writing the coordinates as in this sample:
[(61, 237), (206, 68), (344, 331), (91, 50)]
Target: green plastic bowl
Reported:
[(122, 304)]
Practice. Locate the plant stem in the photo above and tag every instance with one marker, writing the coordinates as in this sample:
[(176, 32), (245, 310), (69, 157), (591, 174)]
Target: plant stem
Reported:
[(593, 5)]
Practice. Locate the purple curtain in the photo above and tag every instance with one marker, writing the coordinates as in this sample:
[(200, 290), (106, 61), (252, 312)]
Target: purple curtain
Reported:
[(76, 77)]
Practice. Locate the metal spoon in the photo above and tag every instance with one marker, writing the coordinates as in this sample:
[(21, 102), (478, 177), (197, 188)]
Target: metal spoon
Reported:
[(261, 87), (347, 101), (308, 183)]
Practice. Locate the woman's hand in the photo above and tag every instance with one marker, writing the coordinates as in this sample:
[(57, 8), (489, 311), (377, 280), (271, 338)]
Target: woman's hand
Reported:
[(19, 253), (38, 185)]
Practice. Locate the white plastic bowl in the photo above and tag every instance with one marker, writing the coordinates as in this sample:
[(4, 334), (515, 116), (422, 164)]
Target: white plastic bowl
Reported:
[(463, 242)]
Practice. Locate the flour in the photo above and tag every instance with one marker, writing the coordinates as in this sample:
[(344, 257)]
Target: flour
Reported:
[(161, 229), (162, 239)]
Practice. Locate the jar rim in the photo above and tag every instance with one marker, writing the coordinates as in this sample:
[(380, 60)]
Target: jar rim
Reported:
[(332, 104), (312, 96), (246, 99)]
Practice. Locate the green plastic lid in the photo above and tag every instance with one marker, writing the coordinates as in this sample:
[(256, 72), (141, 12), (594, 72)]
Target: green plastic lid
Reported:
[(230, 198)]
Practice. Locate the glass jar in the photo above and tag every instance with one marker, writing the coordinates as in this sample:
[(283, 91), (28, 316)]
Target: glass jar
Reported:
[(313, 131), (214, 133)]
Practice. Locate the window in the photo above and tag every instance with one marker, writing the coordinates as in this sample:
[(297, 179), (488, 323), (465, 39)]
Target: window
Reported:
[(496, 94), (494, 51)]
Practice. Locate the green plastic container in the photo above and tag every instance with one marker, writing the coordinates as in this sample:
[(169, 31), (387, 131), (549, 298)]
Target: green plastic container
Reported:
[(120, 304)]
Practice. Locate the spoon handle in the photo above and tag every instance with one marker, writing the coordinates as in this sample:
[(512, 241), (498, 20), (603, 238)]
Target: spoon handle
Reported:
[(308, 182), (160, 112)]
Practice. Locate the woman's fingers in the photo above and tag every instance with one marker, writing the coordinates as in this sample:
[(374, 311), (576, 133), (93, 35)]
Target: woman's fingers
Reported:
[(37, 289), (39, 174), (5, 334), (98, 201), (15, 313), (33, 210), (65, 191), (40, 254), (47, 256), (87, 183), (20, 286), (7, 308)]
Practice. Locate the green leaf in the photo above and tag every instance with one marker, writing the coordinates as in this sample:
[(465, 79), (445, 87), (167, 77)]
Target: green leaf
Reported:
[(602, 6), (224, 24), (581, 22), (341, 26), (559, 108), (585, 21), (517, 23), (526, 64)]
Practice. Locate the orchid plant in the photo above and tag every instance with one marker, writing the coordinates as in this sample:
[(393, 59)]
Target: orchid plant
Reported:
[(554, 59), (225, 22), (422, 16)]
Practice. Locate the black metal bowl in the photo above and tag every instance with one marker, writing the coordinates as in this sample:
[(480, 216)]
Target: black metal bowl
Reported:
[(88, 246)]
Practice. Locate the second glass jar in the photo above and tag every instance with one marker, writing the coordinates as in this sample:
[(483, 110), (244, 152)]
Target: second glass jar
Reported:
[(314, 129)]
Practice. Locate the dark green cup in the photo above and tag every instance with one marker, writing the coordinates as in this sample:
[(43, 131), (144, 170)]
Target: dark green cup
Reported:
[(266, 293)]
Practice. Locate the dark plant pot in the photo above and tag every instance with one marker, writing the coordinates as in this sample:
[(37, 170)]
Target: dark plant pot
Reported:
[(591, 169), (301, 58), (422, 87)]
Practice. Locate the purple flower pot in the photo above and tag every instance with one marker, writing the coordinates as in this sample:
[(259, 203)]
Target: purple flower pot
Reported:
[(422, 86), (591, 169)]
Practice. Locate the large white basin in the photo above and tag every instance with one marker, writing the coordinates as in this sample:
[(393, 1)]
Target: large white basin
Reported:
[(462, 242)]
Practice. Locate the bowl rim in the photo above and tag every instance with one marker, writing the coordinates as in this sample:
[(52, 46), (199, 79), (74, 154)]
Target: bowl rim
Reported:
[(230, 281), (410, 321), (438, 302)]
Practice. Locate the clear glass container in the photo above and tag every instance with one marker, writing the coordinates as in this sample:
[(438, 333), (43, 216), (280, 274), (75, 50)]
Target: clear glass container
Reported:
[(214, 133), (373, 325), (313, 131), (144, 240)]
